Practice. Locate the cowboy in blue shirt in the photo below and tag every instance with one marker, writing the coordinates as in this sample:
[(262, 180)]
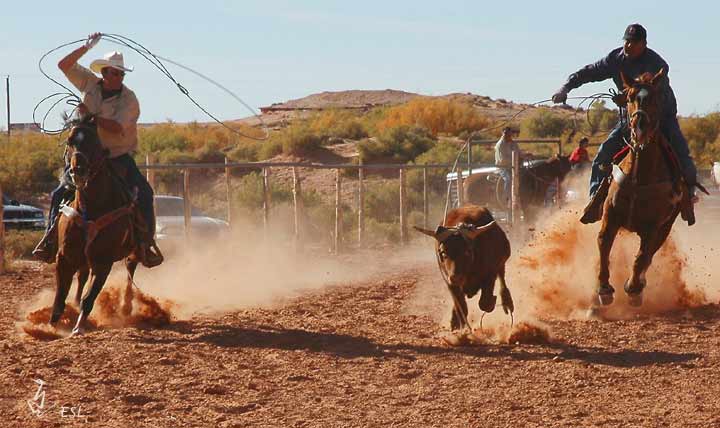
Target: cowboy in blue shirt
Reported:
[(633, 59)]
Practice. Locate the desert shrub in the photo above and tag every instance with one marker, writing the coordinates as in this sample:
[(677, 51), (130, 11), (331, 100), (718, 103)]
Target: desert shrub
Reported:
[(601, 118), (337, 124), (437, 115), (30, 164), (209, 153), (379, 233), (543, 123), (248, 193), (400, 144), (245, 151), (444, 152), (20, 243), (703, 135)]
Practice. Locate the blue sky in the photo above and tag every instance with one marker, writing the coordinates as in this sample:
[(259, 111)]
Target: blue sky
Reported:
[(272, 51)]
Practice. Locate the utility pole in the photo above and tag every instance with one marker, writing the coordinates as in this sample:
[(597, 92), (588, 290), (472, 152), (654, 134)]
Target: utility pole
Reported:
[(7, 92)]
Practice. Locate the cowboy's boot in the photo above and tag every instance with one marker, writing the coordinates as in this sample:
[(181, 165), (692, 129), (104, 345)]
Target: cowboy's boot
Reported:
[(46, 250), (594, 209), (687, 205)]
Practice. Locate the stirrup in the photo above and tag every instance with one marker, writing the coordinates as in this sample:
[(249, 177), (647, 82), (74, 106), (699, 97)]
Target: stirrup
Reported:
[(46, 250)]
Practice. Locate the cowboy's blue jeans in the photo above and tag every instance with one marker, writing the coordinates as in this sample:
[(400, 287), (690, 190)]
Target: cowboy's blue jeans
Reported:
[(135, 178), (602, 164), (55, 199), (506, 175)]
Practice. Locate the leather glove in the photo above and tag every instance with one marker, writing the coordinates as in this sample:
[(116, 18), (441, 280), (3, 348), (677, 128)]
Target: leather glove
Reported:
[(620, 99), (92, 40), (560, 96)]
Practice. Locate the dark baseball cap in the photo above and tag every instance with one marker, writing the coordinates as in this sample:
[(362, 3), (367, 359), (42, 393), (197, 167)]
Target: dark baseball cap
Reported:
[(635, 33)]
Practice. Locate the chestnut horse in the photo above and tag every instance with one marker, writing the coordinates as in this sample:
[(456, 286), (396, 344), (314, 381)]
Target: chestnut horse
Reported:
[(97, 229), (646, 191)]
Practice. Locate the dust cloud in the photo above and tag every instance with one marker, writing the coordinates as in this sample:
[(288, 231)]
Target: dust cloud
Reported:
[(248, 270)]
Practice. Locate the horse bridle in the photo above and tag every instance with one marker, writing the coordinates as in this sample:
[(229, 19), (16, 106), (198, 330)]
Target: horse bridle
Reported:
[(639, 112), (93, 168)]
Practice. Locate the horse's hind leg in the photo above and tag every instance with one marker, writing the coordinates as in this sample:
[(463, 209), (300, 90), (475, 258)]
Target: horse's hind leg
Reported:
[(98, 278), (83, 275), (606, 237), (131, 264), (64, 273), (650, 243)]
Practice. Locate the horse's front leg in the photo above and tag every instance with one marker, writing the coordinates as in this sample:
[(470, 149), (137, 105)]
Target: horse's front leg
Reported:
[(64, 272), (650, 242), (83, 275), (606, 238), (131, 265), (99, 275)]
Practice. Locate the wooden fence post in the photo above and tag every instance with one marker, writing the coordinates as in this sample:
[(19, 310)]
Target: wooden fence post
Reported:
[(460, 188), (403, 209), (2, 234), (186, 201), (228, 192), (338, 213), (266, 201), (425, 198), (150, 173), (558, 184), (515, 189), (361, 205), (297, 208)]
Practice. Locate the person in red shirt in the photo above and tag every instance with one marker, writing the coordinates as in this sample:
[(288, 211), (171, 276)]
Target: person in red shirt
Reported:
[(579, 157)]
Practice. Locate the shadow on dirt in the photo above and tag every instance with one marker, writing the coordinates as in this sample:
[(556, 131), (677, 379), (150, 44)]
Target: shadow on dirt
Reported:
[(347, 346)]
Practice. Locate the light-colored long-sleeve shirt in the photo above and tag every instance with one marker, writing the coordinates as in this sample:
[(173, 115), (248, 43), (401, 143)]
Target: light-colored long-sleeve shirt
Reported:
[(122, 108), (503, 152)]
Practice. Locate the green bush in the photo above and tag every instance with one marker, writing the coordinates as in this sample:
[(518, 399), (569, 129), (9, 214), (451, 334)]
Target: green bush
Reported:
[(20, 243), (601, 118), (30, 164), (543, 123), (400, 144), (248, 193)]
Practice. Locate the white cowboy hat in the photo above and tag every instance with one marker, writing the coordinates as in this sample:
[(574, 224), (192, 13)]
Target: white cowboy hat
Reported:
[(111, 59)]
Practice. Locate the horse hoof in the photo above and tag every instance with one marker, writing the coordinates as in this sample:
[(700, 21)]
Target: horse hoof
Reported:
[(635, 300), (605, 299)]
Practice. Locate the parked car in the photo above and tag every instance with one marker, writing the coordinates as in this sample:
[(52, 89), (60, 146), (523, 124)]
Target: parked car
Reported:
[(170, 220), (20, 216)]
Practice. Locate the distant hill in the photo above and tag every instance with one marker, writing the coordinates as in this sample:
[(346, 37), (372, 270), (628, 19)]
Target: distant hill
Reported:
[(277, 114)]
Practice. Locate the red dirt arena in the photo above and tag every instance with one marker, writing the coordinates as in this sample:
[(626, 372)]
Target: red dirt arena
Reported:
[(247, 337)]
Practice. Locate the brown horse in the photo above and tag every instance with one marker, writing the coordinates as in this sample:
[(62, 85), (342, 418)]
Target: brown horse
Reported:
[(97, 229), (645, 193), (536, 177)]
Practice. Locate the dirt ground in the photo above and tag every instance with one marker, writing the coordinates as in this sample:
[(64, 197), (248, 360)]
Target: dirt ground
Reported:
[(365, 349)]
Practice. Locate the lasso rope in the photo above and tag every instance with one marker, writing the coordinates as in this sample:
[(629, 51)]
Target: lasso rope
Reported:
[(72, 99)]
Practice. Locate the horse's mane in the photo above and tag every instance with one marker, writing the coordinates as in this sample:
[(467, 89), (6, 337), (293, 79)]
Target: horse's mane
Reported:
[(70, 121)]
